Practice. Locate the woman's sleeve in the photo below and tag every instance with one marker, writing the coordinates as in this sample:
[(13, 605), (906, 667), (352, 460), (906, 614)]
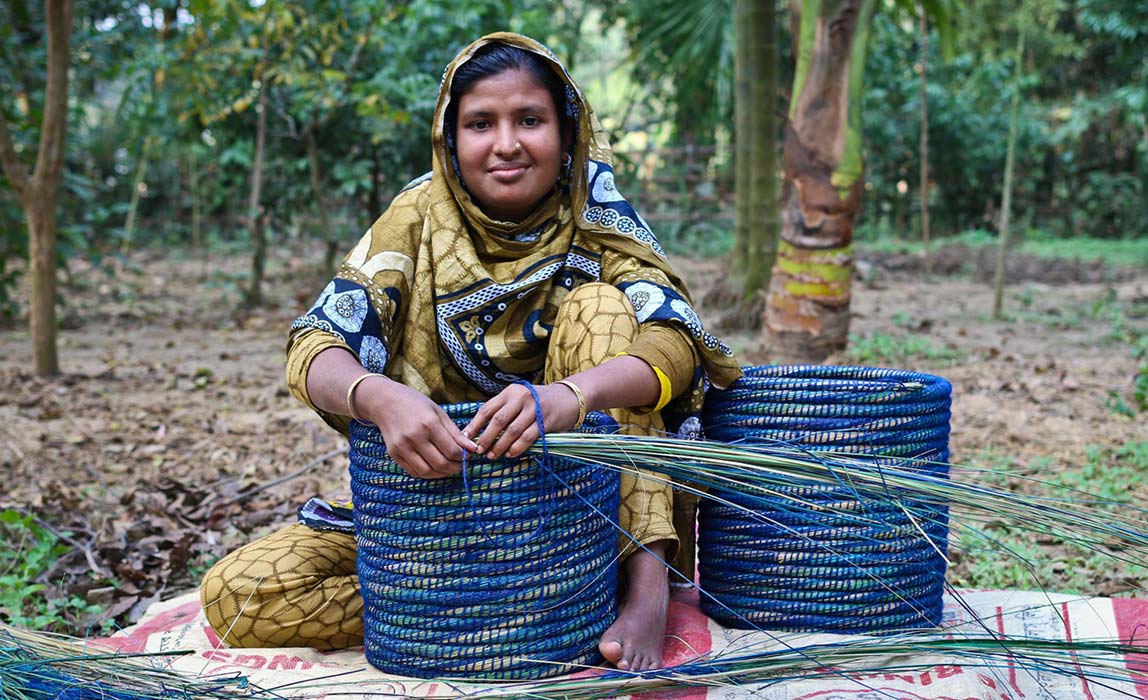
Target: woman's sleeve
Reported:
[(302, 348), (671, 339), (359, 311), (669, 352)]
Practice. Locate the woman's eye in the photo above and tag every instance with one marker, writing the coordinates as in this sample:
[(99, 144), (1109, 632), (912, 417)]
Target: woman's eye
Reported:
[(531, 121), (479, 125)]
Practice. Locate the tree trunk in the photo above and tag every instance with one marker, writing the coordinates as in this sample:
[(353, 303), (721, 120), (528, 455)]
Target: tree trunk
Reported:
[(1144, 165), (807, 313), (742, 129), (41, 215), (375, 196), (925, 144), (255, 216), (756, 211), (39, 191), (134, 204), (196, 211), (763, 162), (319, 215), (1006, 197)]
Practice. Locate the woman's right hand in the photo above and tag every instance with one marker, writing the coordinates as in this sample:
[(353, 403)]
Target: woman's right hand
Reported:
[(420, 437)]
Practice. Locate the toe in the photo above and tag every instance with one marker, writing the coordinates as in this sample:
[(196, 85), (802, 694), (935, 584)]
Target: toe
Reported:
[(611, 650)]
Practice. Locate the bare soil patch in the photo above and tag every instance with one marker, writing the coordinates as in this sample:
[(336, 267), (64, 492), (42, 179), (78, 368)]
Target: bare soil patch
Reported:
[(171, 438)]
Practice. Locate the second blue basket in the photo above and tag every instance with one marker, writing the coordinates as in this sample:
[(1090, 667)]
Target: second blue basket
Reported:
[(819, 557)]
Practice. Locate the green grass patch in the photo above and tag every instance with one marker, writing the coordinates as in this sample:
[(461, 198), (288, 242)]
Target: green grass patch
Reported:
[(999, 556), (1127, 252), (900, 350), (29, 551)]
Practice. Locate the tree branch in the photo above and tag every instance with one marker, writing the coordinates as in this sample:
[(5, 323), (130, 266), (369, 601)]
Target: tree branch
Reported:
[(15, 171)]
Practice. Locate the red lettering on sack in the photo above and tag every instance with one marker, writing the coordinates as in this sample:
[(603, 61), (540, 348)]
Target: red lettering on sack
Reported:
[(288, 663), (250, 660)]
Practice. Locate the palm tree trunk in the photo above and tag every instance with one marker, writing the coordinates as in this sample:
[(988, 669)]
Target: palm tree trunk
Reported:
[(807, 313)]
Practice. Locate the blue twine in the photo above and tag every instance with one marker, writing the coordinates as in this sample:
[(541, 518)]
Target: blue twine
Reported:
[(486, 575), (818, 557)]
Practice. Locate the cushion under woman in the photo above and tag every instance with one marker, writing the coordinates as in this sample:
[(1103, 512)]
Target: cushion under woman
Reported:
[(516, 258)]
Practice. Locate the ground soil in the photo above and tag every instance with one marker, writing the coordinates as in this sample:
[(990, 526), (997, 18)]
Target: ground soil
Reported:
[(170, 437)]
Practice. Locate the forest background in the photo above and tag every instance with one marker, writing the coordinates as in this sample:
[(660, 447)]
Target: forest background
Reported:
[(221, 155)]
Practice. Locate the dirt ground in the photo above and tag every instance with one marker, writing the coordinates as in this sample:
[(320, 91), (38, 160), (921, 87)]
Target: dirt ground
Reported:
[(171, 438)]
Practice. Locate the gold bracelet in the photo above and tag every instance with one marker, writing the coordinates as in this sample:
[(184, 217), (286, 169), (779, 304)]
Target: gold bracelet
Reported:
[(351, 393), (581, 401)]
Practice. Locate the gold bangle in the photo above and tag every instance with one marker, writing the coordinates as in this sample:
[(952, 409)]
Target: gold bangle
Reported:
[(581, 401), (351, 393)]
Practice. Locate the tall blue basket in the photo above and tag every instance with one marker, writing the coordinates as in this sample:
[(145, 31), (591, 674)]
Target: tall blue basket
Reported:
[(823, 558), (508, 573)]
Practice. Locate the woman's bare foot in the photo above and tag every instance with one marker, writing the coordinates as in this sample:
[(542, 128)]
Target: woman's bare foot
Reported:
[(634, 641)]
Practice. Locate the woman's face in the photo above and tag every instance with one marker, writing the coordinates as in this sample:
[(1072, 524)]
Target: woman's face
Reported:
[(497, 113)]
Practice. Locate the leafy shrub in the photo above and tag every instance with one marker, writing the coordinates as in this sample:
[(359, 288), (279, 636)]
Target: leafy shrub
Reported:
[(30, 550)]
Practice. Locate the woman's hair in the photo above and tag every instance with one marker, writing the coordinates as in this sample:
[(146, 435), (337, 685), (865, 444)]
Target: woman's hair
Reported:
[(494, 59)]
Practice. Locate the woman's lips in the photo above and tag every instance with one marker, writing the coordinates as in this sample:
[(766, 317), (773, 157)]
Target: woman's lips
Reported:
[(508, 172)]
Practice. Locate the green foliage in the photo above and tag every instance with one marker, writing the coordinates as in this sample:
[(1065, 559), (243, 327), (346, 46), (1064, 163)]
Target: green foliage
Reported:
[(1126, 327), (1010, 558), (884, 349), (30, 550), (1082, 150), (686, 48)]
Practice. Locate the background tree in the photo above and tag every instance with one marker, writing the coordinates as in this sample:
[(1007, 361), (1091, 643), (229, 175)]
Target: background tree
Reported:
[(755, 106), (37, 192), (807, 311), (807, 314)]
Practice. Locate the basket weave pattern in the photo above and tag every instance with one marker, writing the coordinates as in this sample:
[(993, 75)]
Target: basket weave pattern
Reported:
[(817, 557), (482, 577)]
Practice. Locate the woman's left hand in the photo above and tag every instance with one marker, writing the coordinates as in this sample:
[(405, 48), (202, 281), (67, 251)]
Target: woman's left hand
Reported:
[(508, 423)]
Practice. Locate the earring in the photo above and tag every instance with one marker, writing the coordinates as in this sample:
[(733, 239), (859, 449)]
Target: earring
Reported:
[(517, 147), (564, 173)]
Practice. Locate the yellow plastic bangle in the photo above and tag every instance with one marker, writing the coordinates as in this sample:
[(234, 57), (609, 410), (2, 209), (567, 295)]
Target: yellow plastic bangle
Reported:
[(581, 401), (351, 393)]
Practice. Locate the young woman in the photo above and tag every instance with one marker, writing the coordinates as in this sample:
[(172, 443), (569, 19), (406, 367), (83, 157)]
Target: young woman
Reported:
[(515, 258)]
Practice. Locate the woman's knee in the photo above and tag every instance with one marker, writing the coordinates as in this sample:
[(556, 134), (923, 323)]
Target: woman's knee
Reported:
[(267, 593), (593, 301), (594, 323)]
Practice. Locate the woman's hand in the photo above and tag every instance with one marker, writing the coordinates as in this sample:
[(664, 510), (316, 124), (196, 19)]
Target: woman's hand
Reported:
[(506, 425), (420, 437)]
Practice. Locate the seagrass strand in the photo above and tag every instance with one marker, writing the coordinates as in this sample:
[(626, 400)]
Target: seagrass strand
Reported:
[(40, 665), (762, 468)]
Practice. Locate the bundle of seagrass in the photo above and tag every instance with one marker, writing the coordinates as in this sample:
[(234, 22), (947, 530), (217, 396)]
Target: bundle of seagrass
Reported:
[(820, 556), (42, 666), (509, 572)]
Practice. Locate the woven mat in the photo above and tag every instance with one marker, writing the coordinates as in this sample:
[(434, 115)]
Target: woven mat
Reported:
[(179, 624)]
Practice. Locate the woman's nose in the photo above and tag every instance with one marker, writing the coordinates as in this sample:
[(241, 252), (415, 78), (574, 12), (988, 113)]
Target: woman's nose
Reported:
[(506, 143)]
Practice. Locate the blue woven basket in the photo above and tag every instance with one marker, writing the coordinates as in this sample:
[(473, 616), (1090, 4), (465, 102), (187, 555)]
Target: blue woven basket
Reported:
[(818, 557), (485, 576)]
